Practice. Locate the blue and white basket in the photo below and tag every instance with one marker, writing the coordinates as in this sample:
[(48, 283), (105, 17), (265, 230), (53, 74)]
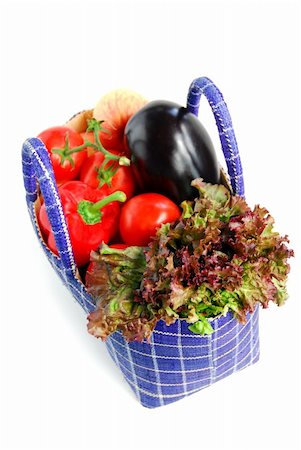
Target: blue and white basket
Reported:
[(176, 362)]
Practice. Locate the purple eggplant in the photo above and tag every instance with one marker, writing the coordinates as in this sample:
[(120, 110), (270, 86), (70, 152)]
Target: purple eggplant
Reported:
[(169, 148)]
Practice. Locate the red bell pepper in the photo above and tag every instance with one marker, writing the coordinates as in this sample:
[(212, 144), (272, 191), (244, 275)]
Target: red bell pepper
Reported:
[(91, 216)]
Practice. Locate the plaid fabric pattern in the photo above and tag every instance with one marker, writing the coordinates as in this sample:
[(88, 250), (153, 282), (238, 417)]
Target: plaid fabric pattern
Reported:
[(176, 362)]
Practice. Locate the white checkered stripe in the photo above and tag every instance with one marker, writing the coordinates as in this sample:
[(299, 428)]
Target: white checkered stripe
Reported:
[(176, 363)]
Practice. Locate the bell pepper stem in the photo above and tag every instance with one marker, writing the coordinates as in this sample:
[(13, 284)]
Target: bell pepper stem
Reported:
[(91, 212)]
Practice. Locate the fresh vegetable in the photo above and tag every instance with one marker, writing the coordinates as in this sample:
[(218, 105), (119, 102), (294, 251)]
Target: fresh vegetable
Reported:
[(67, 152), (113, 278), (119, 245), (90, 137), (111, 175), (93, 133), (143, 214), (220, 256), (91, 216), (170, 148), (115, 109), (91, 269)]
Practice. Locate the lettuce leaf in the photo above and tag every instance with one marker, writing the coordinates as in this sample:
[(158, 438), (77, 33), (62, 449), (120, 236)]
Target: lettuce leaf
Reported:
[(220, 256)]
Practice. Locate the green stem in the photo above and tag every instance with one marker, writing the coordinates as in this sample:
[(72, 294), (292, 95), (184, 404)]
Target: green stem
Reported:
[(91, 212), (106, 172), (69, 151), (97, 140), (95, 126), (66, 151), (123, 160)]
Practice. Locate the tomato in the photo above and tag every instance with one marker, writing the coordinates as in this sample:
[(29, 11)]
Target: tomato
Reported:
[(121, 180), (119, 246), (143, 214), (66, 150), (89, 136)]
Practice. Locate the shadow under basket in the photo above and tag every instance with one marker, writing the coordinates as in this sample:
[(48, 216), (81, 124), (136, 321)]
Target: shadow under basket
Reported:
[(176, 362)]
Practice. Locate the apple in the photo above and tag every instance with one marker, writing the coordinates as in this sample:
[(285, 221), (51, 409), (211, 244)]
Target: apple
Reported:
[(115, 109)]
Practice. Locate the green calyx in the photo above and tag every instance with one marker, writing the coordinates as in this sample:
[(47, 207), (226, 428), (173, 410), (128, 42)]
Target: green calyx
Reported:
[(91, 212), (66, 152), (95, 126), (106, 171)]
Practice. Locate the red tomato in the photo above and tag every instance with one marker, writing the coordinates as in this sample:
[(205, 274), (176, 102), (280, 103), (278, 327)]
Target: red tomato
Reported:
[(119, 246), (143, 214), (122, 180), (89, 276), (89, 136), (65, 162)]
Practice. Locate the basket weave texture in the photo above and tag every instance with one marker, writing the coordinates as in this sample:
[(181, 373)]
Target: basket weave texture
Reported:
[(176, 362)]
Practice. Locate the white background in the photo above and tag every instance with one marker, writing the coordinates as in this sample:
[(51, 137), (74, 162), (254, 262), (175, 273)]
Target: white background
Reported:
[(59, 389)]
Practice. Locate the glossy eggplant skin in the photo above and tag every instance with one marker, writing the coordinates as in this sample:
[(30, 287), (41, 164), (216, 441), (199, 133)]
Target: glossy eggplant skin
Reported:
[(169, 148)]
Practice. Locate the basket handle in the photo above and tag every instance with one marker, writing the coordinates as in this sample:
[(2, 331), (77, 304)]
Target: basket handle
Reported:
[(37, 167), (223, 120)]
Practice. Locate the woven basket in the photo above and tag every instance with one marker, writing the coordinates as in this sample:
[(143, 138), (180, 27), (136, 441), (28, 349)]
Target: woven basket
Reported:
[(176, 362)]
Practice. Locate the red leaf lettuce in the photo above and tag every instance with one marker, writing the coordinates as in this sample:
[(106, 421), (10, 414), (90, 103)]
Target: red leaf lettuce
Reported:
[(219, 256)]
